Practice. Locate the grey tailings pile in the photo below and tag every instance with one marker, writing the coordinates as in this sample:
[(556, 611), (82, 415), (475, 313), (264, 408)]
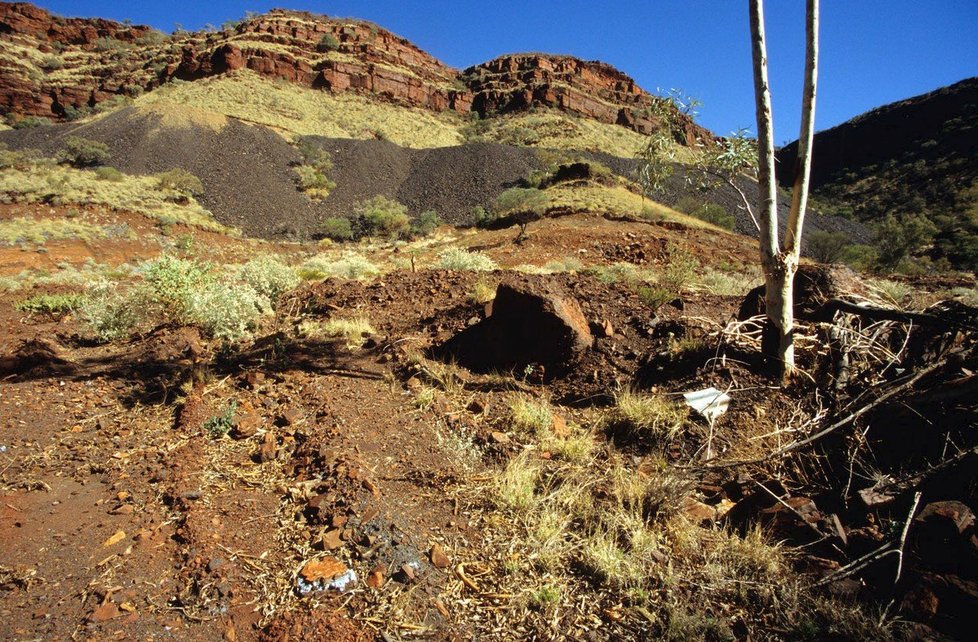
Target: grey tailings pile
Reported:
[(249, 182)]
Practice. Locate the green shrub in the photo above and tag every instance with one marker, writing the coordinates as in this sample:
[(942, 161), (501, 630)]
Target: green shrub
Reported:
[(227, 311), (29, 122), (108, 313), (268, 276), (180, 180), (381, 216), (106, 44), (337, 229), (519, 199), (313, 154), (327, 43), (426, 223), (151, 38), (51, 63), (313, 181), (899, 236), (173, 283), (314, 170), (825, 247), (19, 159), (458, 259), (110, 174), (480, 216), (82, 152), (52, 304), (219, 425), (654, 296), (713, 213), (859, 257)]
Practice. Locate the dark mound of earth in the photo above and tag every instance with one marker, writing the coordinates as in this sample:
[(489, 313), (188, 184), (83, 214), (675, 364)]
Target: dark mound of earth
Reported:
[(249, 182)]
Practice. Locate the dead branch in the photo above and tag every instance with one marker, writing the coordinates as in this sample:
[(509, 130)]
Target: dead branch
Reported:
[(827, 310), (848, 419)]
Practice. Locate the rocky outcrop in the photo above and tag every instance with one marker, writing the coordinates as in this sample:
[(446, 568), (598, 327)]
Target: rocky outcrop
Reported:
[(588, 89), (303, 48), (532, 323)]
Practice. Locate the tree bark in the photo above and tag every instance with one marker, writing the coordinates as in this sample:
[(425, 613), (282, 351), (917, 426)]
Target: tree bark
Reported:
[(803, 163), (777, 341)]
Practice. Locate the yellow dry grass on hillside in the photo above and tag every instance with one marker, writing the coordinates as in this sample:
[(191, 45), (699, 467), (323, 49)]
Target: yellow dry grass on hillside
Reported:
[(618, 200), (291, 109), (43, 182)]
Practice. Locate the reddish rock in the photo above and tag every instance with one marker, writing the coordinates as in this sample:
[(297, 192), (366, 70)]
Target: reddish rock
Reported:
[(533, 321), (268, 450), (439, 559), (324, 569), (105, 612), (332, 539), (376, 578)]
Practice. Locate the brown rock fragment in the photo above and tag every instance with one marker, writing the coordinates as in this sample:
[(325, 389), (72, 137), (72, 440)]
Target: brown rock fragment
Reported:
[(439, 559)]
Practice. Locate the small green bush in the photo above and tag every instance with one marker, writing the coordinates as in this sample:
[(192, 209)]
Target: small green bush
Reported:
[(519, 199), (151, 38), (52, 63), (51, 304), (337, 229), (712, 213), (313, 181), (180, 180), (227, 311), (897, 237), (16, 158), (108, 313), (173, 283), (381, 216), (82, 152), (106, 44), (327, 43), (349, 266), (220, 425), (72, 113), (458, 259), (268, 276), (314, 170), (825, 247), (859, 257), (110, 174), (426, 223), (29, 122)]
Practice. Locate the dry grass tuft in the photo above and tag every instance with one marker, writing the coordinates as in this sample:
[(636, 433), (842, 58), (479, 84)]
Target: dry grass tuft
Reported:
[(353, 330), (649, 418)]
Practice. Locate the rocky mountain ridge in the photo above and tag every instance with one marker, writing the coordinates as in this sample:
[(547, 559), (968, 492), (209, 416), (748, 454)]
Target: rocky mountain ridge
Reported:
[(53, 67)]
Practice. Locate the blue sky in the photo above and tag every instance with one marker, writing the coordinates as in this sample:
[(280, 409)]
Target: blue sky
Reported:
[(873, 51)]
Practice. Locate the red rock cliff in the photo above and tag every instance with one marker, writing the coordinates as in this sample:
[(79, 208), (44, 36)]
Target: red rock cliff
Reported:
[(52, 67)]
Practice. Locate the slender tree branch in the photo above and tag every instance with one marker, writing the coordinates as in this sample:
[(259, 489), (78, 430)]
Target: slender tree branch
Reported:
[(803, 163)]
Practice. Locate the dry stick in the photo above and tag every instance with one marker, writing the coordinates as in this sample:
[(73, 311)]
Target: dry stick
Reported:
[(911, 481), (842, 422), (903, 536), (792, 509), (857, 564)]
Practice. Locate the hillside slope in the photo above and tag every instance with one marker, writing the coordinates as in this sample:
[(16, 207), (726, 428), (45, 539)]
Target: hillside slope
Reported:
[(910, 159), (249, 182), (63, 68)]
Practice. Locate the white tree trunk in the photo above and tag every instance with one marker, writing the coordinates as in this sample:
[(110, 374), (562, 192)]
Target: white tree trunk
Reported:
[(803, 163), (780, 263), (777, 343)]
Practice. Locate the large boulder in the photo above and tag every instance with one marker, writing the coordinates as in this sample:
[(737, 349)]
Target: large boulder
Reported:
[(532, 321), (814, 285)]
